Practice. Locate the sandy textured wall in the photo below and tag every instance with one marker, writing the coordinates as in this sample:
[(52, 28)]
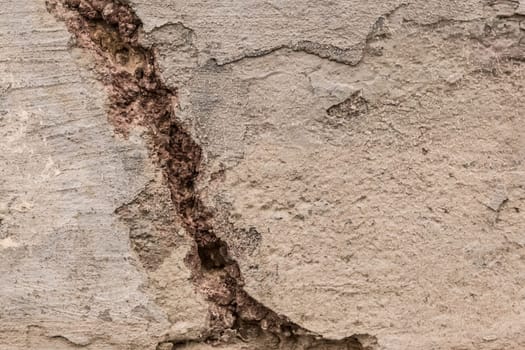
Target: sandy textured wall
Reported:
[(262, 174)]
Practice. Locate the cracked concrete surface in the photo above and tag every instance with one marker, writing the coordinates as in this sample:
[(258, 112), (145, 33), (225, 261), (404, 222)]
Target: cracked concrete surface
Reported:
[(363, 162), (70, 279)]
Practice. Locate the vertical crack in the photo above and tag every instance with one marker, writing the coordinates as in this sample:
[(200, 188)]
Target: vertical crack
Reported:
[(109, 30)]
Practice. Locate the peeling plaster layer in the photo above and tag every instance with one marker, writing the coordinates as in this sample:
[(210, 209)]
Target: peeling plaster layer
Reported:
[(400, 219), (229, 30)]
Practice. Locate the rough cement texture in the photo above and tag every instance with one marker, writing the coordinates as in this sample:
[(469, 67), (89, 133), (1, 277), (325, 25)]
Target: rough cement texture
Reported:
[(70, 277), (352, 175)]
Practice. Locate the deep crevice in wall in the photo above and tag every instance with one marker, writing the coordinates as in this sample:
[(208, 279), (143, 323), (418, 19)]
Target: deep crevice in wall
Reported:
[(110, 31)]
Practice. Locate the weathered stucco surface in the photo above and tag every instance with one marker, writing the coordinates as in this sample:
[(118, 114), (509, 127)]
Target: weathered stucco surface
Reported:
[(362, 160), (69, 276)]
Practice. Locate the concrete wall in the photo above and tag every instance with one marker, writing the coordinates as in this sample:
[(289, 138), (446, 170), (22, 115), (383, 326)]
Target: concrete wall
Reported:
[(361, 174)]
